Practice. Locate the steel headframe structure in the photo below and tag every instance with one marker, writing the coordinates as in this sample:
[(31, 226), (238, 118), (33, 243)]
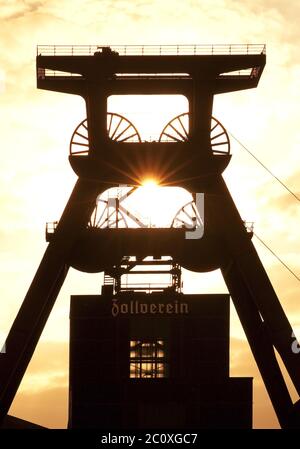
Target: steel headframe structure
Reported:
[(106, 151)]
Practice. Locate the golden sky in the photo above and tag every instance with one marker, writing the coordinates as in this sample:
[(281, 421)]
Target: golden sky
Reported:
[(36, 179)]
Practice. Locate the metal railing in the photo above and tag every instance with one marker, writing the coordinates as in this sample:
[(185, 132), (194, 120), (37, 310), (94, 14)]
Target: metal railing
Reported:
[(48, 73), (249, 225), (155, 50), (145, 286), (50, 229), (244, 72)]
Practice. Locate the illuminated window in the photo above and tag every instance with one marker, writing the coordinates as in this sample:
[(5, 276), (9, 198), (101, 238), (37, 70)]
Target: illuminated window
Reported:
[(148, 359)]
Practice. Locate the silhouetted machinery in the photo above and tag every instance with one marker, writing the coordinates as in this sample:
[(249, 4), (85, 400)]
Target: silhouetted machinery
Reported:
[(156, 357)]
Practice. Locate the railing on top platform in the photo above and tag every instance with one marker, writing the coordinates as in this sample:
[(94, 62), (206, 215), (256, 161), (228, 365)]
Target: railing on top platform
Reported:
[(249, 225), (155, 50)]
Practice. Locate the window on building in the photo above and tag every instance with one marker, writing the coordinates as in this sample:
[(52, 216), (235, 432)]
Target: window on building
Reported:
[(148, 359)]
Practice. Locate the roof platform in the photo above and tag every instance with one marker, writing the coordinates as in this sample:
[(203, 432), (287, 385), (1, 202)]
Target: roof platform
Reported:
[(169, 69)]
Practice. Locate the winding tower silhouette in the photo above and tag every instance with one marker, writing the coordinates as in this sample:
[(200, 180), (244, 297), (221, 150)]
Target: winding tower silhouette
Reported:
[(193, 150)]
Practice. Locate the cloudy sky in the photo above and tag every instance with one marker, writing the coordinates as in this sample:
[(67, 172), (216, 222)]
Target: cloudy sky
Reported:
[(36, 179)]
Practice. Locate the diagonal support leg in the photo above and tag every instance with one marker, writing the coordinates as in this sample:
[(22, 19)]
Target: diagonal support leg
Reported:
[(242, 251), (40, 298), (260, 343)]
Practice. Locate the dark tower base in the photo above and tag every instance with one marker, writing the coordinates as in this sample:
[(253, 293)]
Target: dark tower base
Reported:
[(161, 362)]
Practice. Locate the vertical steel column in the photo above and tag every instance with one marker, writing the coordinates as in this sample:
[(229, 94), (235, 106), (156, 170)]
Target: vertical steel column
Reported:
[(96, 108), (200, 115)]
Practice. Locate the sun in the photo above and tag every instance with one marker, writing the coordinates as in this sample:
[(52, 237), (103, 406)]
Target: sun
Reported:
[(149, 183), (157, 204)]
